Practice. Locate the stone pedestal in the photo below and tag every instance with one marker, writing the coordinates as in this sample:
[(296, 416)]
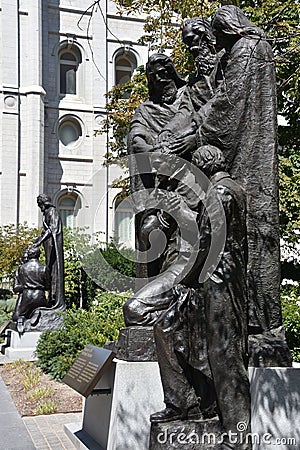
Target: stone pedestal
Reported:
[(275, 397), (117, 415), (136, 344), (192, 435), (265, 350), (18, 346)]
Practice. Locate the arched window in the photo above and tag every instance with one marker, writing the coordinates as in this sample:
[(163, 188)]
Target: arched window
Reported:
[(66, 209), (124, 222), (69, 60), (125, 64), (70, 131)]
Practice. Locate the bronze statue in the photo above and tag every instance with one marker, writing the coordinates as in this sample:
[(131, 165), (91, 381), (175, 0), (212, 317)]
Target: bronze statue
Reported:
[(52, 239), (31, 281), (225, 125), (165, 91), (241, 119), (174, 179), (201, 339), (35, 310)]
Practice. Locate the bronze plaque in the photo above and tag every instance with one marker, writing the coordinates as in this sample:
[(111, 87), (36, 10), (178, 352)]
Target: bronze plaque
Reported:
[(88, 368)]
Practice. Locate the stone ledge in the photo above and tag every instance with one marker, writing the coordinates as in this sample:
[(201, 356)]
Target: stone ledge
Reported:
[(190, 434)]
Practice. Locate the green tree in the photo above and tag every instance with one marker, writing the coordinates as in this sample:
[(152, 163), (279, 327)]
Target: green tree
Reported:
[(13, 242), (279, 19)]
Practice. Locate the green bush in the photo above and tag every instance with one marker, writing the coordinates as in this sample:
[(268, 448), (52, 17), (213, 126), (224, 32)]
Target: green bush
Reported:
[(57, 350), (290, 300), (6, 309), (88, 265), (112, 268), (5, 294)]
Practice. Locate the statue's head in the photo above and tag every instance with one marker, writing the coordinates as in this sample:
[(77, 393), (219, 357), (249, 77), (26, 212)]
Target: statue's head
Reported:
[(44, 201), (230, 24), (163, 79), (209, 159), (199, 39), (24, 257), (33, 252)]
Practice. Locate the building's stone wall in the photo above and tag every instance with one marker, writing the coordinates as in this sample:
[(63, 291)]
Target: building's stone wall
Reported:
[(32, 158)]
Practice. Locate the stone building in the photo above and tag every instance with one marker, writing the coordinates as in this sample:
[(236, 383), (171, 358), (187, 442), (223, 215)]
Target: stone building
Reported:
[(57, 61)]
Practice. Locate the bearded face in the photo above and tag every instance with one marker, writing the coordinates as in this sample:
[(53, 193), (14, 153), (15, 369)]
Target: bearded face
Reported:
[(169, 91), (206, 60), (203, 53), (165, 86)]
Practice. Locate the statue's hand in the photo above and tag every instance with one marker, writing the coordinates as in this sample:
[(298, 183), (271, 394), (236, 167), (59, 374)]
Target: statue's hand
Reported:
[(139, 145), (184, 143), (165, 136), (184, 216), (33, 246)]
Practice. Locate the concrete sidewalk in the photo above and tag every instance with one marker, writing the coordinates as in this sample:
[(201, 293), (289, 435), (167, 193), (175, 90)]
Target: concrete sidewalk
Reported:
[(14, 435), (30, 433), (47, 432)]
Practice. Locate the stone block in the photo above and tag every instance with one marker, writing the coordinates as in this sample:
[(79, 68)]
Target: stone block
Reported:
[(189, 434), (275, 398), (18, 346), (118, 418), (136, 344)]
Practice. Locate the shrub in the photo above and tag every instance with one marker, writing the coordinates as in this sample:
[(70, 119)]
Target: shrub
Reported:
[(46, 407), (84, 268), (5, 294), (111, 268), (6, 309), (88, 266), (290, 300), (57, 350)]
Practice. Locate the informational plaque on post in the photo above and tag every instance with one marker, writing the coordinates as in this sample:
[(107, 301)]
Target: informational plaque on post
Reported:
[(88, 368)]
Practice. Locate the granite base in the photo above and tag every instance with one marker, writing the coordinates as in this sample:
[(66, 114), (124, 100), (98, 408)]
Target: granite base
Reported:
[(19, 346), (190, 435), (117, 416)]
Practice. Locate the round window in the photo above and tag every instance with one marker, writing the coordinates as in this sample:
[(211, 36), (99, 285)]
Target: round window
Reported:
[(69, 133)]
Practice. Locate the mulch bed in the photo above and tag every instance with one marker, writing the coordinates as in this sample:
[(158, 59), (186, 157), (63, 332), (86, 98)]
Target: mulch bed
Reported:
[(66, 400)]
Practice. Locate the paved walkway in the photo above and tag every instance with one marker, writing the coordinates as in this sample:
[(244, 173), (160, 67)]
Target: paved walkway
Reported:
[(14, 435), (47, 432), (30, 433)]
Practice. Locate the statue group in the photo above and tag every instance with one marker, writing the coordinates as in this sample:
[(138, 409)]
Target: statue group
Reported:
[(205, 154), (33, 279)]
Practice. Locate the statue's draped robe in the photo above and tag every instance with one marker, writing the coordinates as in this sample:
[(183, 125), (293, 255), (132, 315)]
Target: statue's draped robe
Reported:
[(205, 329), (54, 256), (148, 121), (241, 119), (31, 281)]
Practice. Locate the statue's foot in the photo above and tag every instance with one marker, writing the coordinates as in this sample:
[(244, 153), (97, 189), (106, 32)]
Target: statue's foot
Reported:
[(210, 412), (194, 413), (166, 415), (169, 414)]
